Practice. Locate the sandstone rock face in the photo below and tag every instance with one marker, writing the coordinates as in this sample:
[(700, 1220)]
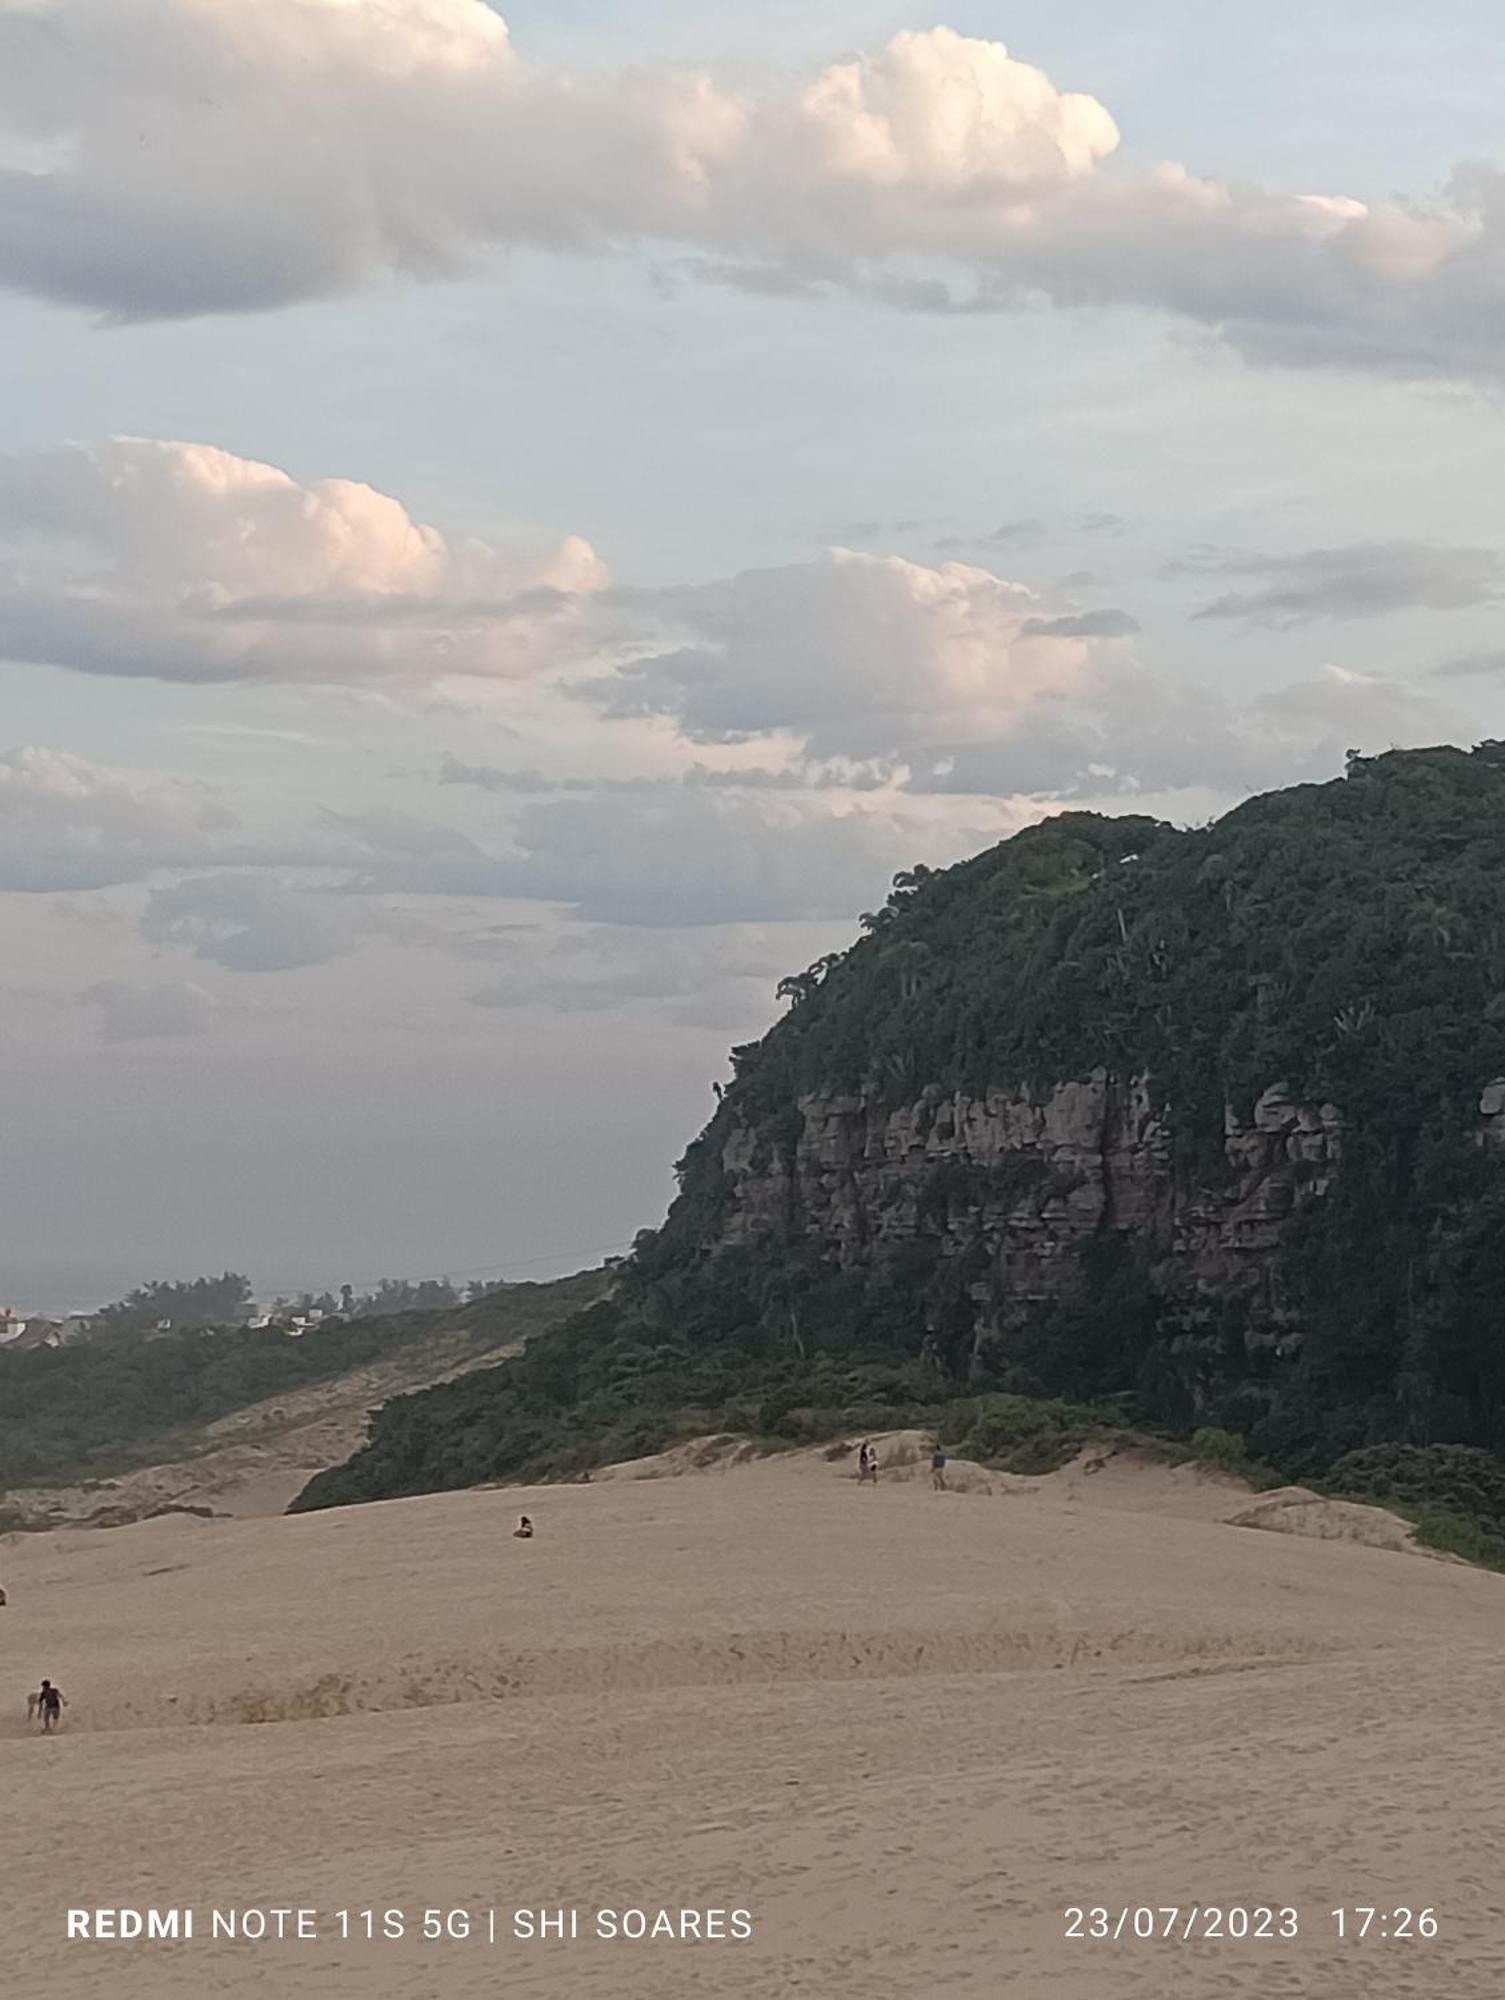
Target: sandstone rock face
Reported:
[(1018, 1181)]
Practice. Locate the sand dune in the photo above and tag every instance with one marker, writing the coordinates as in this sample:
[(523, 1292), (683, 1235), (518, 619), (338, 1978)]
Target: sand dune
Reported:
[(256, 1459), (906, 1731)]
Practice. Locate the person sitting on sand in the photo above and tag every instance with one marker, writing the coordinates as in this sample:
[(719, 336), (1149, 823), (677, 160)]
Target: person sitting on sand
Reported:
[(523, 1532), (49, 1706), (938, 1470), (866, 1466)]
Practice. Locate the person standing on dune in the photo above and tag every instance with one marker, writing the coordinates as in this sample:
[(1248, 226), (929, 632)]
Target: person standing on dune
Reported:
[(48, 1703), (938, 1470)]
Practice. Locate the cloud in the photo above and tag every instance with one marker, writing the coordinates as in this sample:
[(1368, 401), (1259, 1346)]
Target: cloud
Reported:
[(859, 656), (728, 972), (1136, 731), (1474, 666), (1107, 624), (1364, 580), (248, 922), (806, 776), (133, 1013), (163, 157), (66, 823), (689, 857), (201, 566)]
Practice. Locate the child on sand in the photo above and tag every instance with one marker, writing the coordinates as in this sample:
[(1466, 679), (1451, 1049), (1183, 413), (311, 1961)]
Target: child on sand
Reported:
[(523, 1532), (938, 1470), (49, 1704)]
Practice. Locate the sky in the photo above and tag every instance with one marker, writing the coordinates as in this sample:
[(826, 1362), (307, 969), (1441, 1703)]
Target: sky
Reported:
[(514, 525)]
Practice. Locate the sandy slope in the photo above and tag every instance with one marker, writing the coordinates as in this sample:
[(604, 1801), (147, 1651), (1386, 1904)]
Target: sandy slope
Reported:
[(905, 1730), (255, 1460)]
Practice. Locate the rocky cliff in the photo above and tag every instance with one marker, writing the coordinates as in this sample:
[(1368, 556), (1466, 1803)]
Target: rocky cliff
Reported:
[(1210, 1121), (1211, 1117), (1015, 1182)]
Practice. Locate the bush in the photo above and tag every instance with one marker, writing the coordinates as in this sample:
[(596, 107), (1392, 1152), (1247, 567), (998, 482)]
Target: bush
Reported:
[(1451, 1479), (1224, 1449), (1022, 1434)]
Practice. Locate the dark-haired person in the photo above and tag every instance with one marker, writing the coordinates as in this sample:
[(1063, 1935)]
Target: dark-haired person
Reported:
[(938, 1470), (49, 1706), (523, 1532)]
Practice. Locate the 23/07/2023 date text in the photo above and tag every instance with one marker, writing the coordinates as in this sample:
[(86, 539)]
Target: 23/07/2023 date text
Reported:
[(1351, 1922)]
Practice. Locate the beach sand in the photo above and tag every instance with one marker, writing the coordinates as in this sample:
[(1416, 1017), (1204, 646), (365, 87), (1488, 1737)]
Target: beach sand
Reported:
[(906, 1731)]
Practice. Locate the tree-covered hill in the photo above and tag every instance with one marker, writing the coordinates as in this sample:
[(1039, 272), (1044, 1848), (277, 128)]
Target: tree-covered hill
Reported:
[(1201, 1120), (128, 1397)]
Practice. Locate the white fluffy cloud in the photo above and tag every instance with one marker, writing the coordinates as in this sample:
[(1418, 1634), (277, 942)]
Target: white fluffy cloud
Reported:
[(201, 566), (856, 655), (182, 156), (956, 681)]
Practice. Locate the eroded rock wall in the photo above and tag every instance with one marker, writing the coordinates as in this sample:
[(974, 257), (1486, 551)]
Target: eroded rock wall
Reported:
[(1021, 1179)]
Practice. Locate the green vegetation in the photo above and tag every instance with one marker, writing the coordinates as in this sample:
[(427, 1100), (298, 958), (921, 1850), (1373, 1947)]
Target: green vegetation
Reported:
[(102, 1405), (192, 1302), (1025, 1434), (1347, 940)]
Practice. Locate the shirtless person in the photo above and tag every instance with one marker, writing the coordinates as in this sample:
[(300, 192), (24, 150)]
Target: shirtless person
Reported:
[(48, 1703)]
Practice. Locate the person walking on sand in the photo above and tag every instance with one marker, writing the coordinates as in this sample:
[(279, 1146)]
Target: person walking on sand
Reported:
[(938, 1470), (49, 1706)]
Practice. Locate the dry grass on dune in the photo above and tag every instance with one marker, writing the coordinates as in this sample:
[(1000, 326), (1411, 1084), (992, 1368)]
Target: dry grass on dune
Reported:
[(905, 1729)]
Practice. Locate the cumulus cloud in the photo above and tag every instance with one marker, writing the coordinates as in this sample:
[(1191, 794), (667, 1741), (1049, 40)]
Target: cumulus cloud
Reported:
[(950, 679), (135, 1013), (1364, 580), (201, 566), (185, 156), (859, 656), (67, 823)]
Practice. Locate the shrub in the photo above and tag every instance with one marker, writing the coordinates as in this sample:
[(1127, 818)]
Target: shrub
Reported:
[(1225, 1449)]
